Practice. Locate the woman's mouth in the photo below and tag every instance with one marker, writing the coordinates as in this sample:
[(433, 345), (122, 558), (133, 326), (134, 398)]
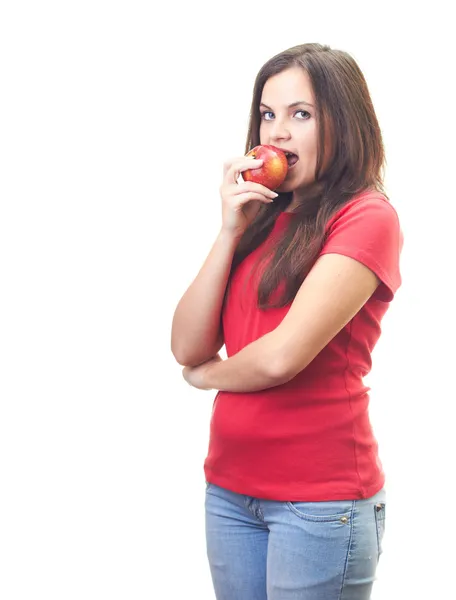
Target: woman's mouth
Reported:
[(292, 159)]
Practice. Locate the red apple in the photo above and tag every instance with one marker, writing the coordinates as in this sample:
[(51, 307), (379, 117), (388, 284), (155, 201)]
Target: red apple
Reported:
[(274, 169)]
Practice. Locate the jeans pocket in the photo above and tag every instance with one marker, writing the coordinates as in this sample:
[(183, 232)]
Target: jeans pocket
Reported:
[(379, 511), (322, 512)]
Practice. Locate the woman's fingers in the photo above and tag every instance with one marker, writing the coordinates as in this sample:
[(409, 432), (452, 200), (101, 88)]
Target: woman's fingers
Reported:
[(242, 199), (250, 186), (233, 168), (236, 216)]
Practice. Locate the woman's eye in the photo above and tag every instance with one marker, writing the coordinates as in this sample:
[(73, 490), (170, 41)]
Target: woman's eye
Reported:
[(267, 115), (304, 113)]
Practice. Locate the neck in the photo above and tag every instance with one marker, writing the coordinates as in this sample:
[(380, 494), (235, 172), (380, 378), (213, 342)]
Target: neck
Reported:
[(304, 194)]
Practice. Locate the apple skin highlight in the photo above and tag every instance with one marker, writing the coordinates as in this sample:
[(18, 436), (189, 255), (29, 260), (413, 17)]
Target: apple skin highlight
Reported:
[(274, 169)]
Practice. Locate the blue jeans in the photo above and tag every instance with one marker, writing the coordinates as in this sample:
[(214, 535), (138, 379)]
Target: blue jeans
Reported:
[(266, 550)]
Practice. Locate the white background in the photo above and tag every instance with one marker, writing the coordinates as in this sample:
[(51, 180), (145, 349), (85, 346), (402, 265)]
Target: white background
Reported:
[(115, 122)]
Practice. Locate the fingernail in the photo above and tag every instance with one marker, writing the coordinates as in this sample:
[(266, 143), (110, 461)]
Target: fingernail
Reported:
[(275, 194)]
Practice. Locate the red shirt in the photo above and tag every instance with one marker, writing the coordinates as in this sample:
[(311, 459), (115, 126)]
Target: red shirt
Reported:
[(309, 439)]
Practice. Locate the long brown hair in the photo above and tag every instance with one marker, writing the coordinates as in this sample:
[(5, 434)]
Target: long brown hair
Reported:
[(344, 106)]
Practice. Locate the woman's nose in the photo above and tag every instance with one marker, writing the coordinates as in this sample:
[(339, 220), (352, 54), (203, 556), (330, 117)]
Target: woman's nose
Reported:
[(279, 130)]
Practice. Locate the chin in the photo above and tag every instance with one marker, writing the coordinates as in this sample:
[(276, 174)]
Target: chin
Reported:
[(286, 188), (294, 185)]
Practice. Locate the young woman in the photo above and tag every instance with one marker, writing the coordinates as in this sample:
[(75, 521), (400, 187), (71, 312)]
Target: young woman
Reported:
[(295, 286)]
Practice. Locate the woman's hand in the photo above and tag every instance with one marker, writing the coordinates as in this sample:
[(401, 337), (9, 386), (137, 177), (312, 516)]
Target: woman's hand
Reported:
[(241, 201), (194, 376)]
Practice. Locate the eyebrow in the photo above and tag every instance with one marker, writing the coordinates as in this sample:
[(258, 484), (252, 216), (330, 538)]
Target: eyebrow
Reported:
[(291, 105)]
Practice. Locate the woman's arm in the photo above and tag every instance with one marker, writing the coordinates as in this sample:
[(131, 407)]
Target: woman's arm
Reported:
[(196, 333), (196, 330), (333, 292)]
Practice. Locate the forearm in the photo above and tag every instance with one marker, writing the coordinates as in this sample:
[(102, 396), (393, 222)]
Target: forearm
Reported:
[(252, 369), (196, 324)]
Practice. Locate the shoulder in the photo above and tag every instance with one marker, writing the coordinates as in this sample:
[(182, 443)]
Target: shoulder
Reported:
[(369, 205), (367, 229)]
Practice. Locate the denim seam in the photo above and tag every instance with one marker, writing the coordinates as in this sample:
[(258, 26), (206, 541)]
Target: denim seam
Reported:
[(378, 519), (260, 515), (352, 527), (254, 507)]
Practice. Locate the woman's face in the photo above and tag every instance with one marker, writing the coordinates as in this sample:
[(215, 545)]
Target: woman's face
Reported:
[(288, 121)]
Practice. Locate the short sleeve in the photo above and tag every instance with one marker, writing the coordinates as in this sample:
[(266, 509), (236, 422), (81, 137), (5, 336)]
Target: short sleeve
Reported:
[(369, 231)]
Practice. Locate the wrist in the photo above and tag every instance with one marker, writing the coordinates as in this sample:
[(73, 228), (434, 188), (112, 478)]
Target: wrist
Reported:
[(229, 237), (207, 380)]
